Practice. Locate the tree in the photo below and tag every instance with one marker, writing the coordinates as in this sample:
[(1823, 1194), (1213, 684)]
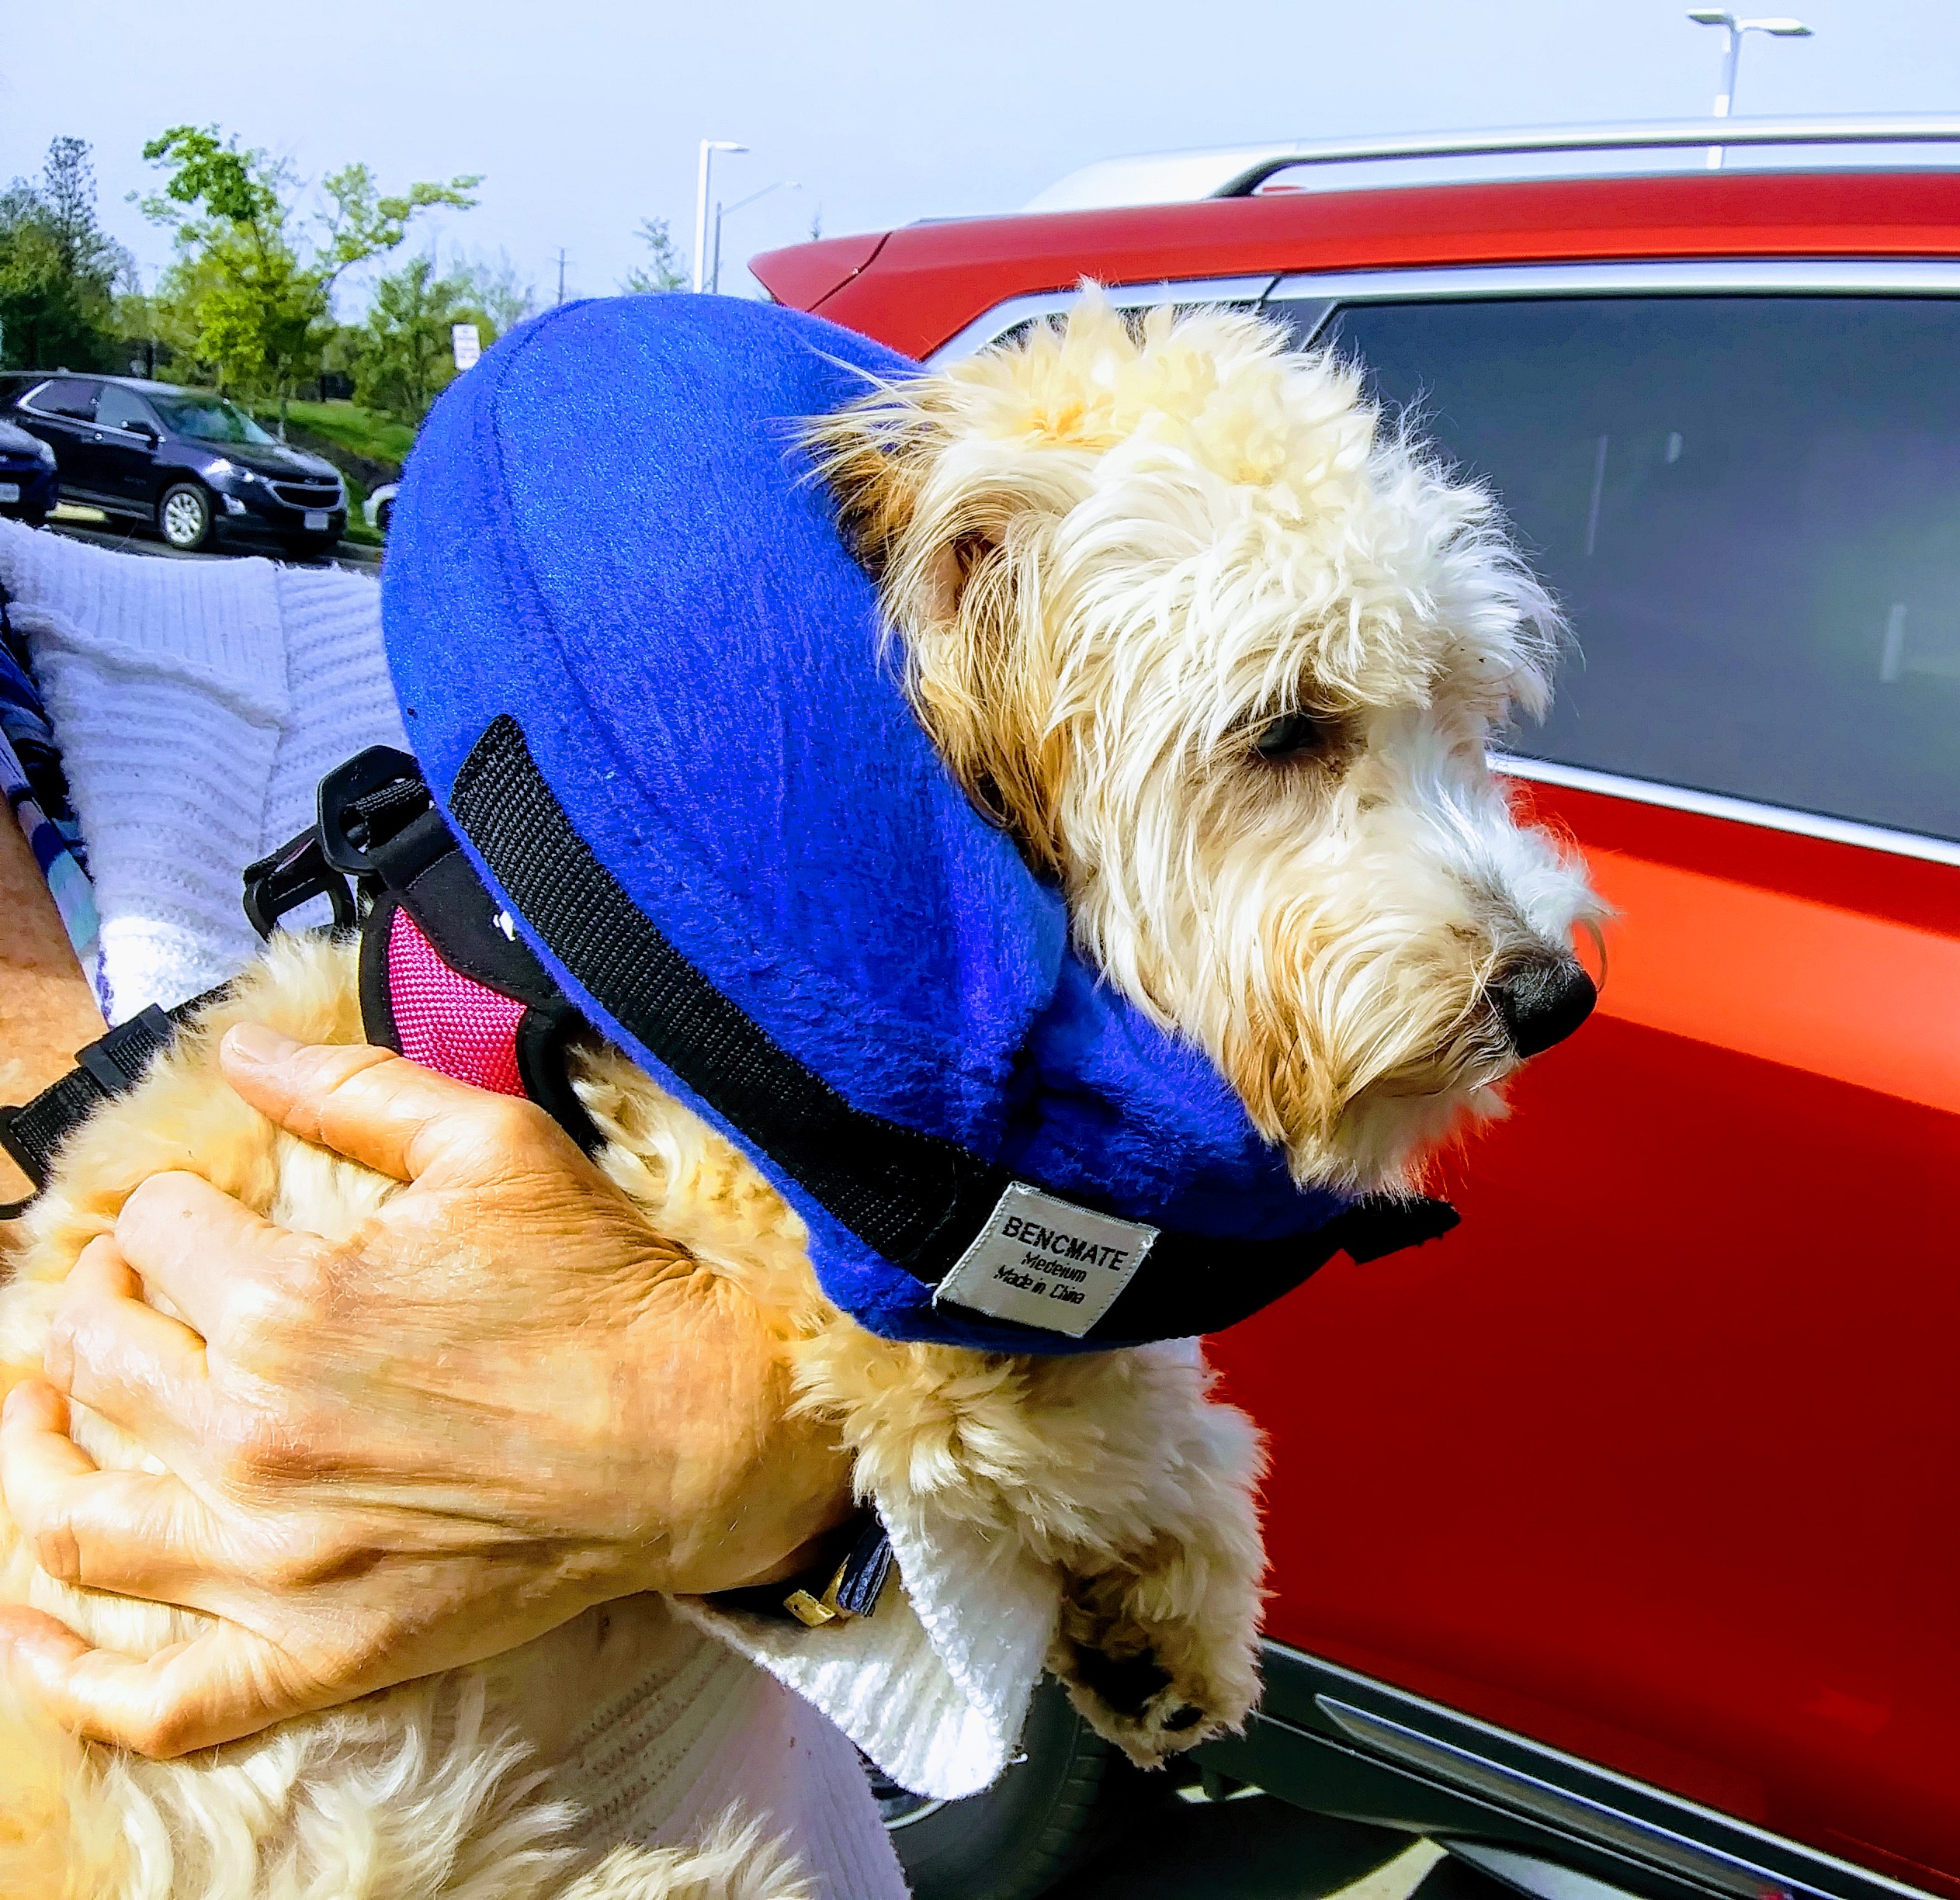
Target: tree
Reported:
[(497, 290), (58, 267), (404, 357), (662, 270), (250, 296)]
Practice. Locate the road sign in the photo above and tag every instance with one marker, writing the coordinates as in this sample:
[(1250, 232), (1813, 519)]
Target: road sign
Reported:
[(462, 339)]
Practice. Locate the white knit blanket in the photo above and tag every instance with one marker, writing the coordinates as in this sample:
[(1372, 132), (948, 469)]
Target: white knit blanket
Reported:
[(197, 704)]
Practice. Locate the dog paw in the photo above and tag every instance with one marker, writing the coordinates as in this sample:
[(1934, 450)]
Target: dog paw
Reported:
[(1153, 1687)]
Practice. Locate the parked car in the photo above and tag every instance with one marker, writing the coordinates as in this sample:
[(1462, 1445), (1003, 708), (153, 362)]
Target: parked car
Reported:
[(192, 463), (30, 485), (1613, 1534)]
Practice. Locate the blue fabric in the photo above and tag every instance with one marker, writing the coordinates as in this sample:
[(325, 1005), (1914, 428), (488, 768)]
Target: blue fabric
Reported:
[(607, 530)]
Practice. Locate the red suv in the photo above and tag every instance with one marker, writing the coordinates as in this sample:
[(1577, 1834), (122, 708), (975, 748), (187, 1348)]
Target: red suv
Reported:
[(1616, 1534)]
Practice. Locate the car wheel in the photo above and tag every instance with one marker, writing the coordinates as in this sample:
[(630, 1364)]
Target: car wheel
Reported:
[(184, 516), (383, 515), (1016, 1839), (34, 517)]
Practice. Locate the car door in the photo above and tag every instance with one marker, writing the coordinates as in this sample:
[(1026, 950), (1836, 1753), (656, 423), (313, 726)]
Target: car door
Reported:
[(62, 412), (1653, 1459), (124, 441)]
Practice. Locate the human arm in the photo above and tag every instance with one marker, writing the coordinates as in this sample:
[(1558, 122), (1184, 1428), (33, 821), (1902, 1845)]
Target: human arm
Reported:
[(505, 1399)]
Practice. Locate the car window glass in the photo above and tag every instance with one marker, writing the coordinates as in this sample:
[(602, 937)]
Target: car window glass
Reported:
[(119, 408), (208, 418), (1749, 509), (65, 396)]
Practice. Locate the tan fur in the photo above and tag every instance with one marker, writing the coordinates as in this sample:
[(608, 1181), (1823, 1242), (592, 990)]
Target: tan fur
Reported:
[(1109, 556)]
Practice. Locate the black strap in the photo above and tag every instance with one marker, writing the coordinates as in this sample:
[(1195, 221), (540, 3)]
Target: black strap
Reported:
[(110, 1066), (919, 1200)]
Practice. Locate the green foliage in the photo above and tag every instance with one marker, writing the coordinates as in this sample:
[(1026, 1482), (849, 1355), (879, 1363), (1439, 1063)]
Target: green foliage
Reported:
[(362, 432), (662, 271), (249, 298), (58, 269), (403, 358)]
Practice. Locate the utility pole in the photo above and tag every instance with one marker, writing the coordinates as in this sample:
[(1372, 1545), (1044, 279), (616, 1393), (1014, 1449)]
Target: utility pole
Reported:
[(1782, 28), (708, 148), (561, 273)]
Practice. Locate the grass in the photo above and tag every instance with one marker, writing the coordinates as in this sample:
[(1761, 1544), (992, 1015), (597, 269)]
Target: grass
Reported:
[(364, 432)]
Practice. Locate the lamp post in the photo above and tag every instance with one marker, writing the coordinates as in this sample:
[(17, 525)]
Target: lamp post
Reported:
[(1781, 27), (714, 267), (708, 148)]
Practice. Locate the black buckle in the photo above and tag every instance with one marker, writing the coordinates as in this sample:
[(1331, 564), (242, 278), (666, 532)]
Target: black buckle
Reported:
[(294, 874), (366, 803)]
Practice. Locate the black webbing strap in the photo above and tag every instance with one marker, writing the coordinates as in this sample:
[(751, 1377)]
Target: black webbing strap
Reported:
[(110, 1066), (919, 1200)]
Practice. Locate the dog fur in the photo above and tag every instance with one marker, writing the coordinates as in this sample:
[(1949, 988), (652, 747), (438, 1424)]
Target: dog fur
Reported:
[(1222, 653)]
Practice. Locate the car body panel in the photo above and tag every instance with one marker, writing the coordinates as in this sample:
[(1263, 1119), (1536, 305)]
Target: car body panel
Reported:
[(1650, 1459), (21, 467), (926, 282)]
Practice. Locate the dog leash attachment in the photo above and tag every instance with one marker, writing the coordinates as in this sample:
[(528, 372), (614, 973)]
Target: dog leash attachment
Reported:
[(444, 979)]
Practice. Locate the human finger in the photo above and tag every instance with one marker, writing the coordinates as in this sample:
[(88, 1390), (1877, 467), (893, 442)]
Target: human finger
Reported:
[(111, 1351), (204, 1252), (136, 1534), (224, 1683), (380, 1109)]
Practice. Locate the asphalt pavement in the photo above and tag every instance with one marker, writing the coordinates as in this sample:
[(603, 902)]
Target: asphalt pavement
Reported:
[(138, 538), (1253, 1847)]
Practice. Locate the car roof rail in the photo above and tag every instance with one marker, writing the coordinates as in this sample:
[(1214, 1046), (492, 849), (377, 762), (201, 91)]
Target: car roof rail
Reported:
[(1238, 172)]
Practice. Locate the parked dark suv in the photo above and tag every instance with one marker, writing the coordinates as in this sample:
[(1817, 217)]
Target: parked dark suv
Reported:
[(194, 464)]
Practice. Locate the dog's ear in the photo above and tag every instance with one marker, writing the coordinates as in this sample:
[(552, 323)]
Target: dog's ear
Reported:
[(953, 553)]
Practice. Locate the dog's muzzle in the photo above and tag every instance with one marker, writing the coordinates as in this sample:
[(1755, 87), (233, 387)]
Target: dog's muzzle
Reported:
[(1541, 999)]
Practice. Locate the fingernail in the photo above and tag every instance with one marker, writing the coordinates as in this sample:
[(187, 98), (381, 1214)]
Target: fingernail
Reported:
[(255, 1043)]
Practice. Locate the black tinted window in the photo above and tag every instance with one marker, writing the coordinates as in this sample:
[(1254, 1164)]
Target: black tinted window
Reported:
[(119, 408), (65, 396), (1751, 509)]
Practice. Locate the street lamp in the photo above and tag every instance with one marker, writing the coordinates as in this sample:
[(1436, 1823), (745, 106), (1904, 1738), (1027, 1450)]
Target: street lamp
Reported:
[(714, 267), (1782, 27), (708, 148)]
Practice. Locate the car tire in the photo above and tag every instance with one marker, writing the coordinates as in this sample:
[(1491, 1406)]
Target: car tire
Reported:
[(34, 517), (1014, 1841), (383, 515), (184, 516)]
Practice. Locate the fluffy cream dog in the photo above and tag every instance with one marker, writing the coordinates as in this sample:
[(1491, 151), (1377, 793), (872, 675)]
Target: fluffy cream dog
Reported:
[(1222, 654)]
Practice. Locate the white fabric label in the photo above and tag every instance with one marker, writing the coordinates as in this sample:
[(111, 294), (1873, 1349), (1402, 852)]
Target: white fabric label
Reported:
[(1046, 1263)]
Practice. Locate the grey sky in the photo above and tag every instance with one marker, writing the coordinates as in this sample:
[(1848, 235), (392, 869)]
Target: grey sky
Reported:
[(584, 116)]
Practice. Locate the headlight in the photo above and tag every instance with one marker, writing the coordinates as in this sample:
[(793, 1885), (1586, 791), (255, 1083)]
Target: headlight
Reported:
[(45, 450), (223, 469)]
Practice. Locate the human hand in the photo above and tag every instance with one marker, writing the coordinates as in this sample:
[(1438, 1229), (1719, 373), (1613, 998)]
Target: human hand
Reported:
[(505, 1399)]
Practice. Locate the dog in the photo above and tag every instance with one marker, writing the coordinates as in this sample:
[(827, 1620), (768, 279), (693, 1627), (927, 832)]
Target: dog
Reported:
[(1221, 649)]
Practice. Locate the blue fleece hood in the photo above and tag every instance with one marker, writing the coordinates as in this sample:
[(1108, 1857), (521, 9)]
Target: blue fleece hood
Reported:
[(644, 677)]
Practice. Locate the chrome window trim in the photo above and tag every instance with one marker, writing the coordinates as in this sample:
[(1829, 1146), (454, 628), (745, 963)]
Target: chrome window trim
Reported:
[(1738, 810), (27, 401), (1636, 277), (996, 323)]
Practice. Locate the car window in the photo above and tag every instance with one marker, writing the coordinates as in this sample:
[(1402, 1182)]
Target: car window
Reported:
[(1749, 509), (119, 408), (65, 396), (208, 418)]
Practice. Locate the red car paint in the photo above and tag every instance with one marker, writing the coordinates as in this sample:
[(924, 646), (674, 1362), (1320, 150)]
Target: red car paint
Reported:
[(1652, 1460)]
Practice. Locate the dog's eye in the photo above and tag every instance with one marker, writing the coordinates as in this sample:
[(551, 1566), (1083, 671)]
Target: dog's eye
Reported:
[(1290, 736)]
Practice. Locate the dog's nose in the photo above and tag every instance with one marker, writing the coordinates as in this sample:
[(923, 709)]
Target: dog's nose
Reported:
[(1543, 999)]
